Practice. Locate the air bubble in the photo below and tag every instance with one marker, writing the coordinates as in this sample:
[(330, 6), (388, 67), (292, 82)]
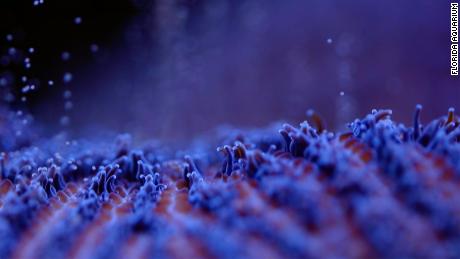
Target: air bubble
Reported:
[(65, 56), (77, 20), (3, 81), (65, 120), (50, 82), (67, 77), (68, 105), (329, 40), (38, 2), (342, 93), (12, 51), (94, 48), (9, 37), (25, 89), (67, 94)]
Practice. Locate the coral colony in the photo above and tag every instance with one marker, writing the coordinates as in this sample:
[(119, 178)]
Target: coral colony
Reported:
[(380, 189)]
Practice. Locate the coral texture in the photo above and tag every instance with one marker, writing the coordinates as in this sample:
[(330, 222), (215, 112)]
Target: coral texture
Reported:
[(381, 189)]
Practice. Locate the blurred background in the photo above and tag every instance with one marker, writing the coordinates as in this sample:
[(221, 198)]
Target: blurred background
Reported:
[(180, 68)]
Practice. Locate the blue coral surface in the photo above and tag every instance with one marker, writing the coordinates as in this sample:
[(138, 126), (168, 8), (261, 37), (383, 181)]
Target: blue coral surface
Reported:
[(378, 190)]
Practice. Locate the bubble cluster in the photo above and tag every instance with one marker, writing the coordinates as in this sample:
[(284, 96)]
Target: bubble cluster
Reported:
[(38, 2), (20, 79)]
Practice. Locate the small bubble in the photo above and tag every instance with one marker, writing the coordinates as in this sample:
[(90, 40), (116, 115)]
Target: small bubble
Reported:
[(68, 105), (67, 77), (65, 120), (94, 48), (24, 99), (31, 50), (329, 40), (65, 56), (12, 51), (38, 2), (19, 113), (9, 37), (342, 93), (25, 89), (3, 81), (77, 20), (50, 82), (24, 79), (67, 94)]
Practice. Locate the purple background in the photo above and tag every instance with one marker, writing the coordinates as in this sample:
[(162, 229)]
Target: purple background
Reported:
[(181, 68)]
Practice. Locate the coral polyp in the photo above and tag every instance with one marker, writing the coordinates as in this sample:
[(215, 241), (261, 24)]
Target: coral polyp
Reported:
[(380, 189)]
